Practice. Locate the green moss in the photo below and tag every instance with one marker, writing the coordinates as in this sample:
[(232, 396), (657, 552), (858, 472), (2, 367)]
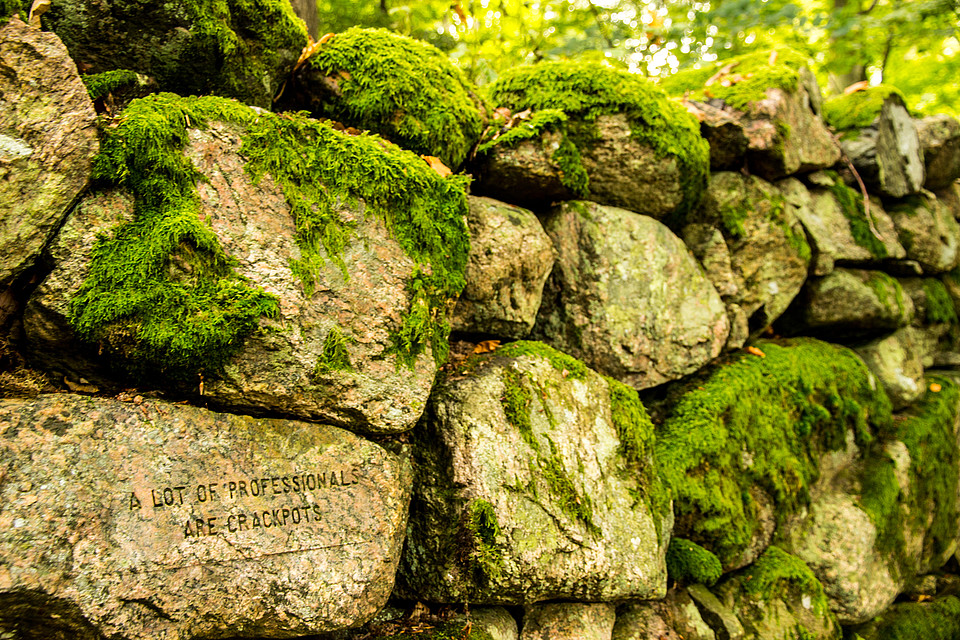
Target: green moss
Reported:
[(751, 422), (939, 304), (161, 293), (560, 361), (732, 218), (689, 563), (9, 8), (796, 238), (739, 203), (777, 575), (851, 205), (100, 84), (404, 89), (859, 109), (936, 620), (882, 284), (573, 175), (485, 557), (584, 91), (335, 356), (755, 73)]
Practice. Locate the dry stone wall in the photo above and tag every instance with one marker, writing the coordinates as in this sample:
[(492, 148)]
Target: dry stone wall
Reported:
[(704, 387)]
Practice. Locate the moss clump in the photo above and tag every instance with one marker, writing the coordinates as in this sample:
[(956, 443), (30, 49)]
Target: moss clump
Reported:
[(761, 423), (335, 356), (484, 556), (689, 563), (777, 575), (939, 304), (162, 294), (9, 8), (585, 91), (100, 84), (851, 206), (566, 364), (573, 175), (935, 620), (926, 429), (859, 109), (404, 89), (754, 75), (882, 284)]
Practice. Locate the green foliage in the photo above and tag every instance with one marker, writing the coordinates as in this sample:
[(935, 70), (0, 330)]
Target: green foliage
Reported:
[(335, 356), (100, 84), (689, 563), (755, 68), (9, 8), (777, 575), (882, 284), (939, 304), (761, 422), (485, 556), (859, 109), (935, 620), (403, 89), (569, 366), (851, 205), (585, 91)]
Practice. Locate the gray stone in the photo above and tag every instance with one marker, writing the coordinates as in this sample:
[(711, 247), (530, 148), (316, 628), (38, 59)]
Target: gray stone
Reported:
[(675, 617), (831, 225), (725, 624), (568, 621), (627, 297), (494, 621), (47, 146), (168, 522), (510, 259), (850, 304), (276, 369), (928, 231), (940, 140), (237, 50), (949, 197), (896, 362), (769, 254), (523, 494)]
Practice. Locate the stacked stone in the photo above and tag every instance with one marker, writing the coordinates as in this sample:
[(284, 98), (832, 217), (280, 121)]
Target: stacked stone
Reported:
[(299, 455)]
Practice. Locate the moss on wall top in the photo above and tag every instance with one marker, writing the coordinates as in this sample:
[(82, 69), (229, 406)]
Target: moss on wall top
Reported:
[(778, 575), (761, 422), (858, 109), (746, 80), (181, 321), (100, 84), (404, 89), (585, 91)]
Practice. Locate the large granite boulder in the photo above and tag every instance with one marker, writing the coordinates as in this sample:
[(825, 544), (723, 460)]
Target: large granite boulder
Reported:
[(241, 50), (768, 251), (849, 305), (47, 144), (152, 520), (309, 288), (759, 111), (406, 90), (880, 138), (510, 259), (638, 149), (928, 231), (940, 140), (627, 298), (568, 621), (840, 226), (534, 482)]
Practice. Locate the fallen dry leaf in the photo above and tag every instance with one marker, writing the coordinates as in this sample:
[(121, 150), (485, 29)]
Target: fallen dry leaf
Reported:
[(487, 346), (772, 60), (856, 86), (756, 352), (437, 165), (934, 387), (719, 74)]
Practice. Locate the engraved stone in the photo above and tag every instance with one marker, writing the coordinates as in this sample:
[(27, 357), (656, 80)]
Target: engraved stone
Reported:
[(170, 522)]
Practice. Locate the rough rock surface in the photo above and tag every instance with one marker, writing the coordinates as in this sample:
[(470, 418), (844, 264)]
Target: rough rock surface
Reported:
[(163, 521), (848, 304), (276, 368), (568, 621), (940, 140), (47, 144), (236, 49), (725, 624), (928, 231), (676, 617), (495, 621), (830, 225), (525, 173), (776, 137), (510, 259), (522, 494), (895, 360), (627, 297), (887, 154), (769, 254)]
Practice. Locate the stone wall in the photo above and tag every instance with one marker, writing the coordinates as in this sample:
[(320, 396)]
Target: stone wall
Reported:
[(590, 361)]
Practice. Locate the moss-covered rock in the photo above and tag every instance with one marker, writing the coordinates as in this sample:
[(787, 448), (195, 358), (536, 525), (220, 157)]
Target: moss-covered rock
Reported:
[(895, 360), (674, 617), (236, 48), (937, 619), (535, 482), (689, 563), (640, 150), (757, 425), (858, 109), (928, 232), (404, 89), (940, 140), (759, 110), (244, 225)]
